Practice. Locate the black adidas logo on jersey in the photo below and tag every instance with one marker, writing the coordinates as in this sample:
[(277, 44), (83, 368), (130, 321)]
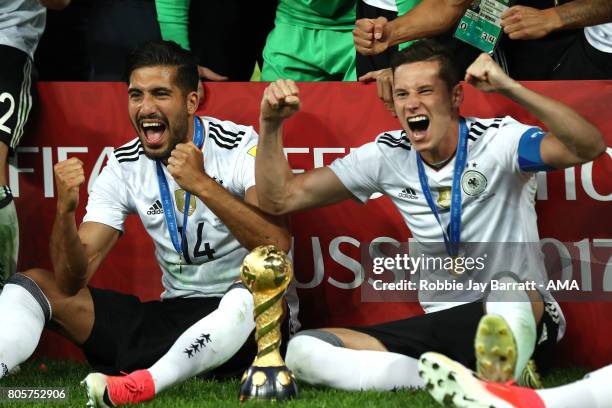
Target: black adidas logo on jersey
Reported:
[(408, 193), (156, 208)]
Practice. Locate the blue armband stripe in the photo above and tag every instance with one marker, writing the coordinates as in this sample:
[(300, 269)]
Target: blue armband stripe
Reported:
[(529, 157)]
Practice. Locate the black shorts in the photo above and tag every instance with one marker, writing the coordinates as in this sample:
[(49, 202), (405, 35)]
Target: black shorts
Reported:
[(131, 335), (15, 94), (451, 332)]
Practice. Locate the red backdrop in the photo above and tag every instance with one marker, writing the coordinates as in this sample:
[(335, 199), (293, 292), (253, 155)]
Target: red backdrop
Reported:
[(87, 120)]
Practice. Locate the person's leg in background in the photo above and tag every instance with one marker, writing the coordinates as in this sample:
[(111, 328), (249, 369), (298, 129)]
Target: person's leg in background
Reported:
[(16, 103), (54, 60), (368, 63), (217, 35), (116, 27), (308, 54)]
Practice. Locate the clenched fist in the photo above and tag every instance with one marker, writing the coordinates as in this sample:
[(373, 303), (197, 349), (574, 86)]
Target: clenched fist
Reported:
[(527, 23), (371, 35), (280, 101), (486, 75), (69, 175), (186, 165)]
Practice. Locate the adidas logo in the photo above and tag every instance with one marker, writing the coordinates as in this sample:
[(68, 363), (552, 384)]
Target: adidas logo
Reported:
[(408, 193), (156, 208)]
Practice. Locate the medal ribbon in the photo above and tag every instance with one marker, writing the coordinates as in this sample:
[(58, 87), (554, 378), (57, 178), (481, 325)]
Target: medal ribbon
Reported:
[(166, 197), (453, 236)]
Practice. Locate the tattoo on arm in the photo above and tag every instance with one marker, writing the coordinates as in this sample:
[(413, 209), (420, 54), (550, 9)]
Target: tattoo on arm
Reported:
[(583, 13)]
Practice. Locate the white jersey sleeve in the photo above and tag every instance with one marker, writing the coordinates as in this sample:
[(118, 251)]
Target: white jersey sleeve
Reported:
[(360, 170), (243, 177), (108, 201)]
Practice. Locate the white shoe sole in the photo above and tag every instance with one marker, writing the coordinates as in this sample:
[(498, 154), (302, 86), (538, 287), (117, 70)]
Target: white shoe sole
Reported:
[(95, 386), (453, 385)]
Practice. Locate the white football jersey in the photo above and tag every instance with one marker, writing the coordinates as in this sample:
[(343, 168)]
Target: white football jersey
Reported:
[(497, 198), (128, 184)]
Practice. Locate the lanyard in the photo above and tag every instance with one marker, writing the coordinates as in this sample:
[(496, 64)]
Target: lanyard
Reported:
[(452, 237), (166, 198)]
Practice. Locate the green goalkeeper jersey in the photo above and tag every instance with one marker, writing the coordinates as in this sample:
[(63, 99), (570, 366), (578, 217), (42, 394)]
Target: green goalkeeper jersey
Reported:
[(319, 14)]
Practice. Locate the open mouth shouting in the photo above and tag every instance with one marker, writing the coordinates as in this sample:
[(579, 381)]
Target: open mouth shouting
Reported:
[(418, 125), (153, 130)]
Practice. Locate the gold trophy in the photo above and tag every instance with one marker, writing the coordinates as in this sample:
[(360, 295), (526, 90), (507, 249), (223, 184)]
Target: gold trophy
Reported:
[(267, 271)]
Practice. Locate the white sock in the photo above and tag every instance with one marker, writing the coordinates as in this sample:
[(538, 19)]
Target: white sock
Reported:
[(317, 362), (514, 306), (21, 323), (594, 391), (9, 235), (209, 343)]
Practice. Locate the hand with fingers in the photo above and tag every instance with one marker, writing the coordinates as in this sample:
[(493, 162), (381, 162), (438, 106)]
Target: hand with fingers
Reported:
[(384, 86), (280, 100), (527, 23), (486, 75), (207, 74), (186, 165), (69, 175), (210, 75), (371, 35)]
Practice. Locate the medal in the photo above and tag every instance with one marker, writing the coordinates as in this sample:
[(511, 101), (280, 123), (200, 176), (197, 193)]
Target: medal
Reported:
[(179, 243), (453, 234), (444, 198)]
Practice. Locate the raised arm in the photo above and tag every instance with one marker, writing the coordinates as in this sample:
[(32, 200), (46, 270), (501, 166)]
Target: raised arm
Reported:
[(427, 19), (279, 191), (75, 254), (570, 140), (527, 23)]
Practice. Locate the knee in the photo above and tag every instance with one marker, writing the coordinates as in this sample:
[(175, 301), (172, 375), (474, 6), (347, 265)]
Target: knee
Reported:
[(38, 274), (44, 279), (309, 345), (237, 306), (51, 286), (46, 282), (297, 351), (33, 282)]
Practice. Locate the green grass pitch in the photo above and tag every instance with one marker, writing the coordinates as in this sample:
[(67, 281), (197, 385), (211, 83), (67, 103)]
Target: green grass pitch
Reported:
[(204, 393)]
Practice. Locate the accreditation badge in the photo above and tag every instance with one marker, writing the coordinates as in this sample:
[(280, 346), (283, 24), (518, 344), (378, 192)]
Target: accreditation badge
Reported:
[(480, 25)]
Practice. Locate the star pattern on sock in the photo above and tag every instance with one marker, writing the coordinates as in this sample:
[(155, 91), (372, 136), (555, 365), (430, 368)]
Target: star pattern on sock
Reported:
[(198, 345)]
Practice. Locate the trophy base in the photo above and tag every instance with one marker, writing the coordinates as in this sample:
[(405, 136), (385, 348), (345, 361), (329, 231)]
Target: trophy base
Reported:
[(268, 383)]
